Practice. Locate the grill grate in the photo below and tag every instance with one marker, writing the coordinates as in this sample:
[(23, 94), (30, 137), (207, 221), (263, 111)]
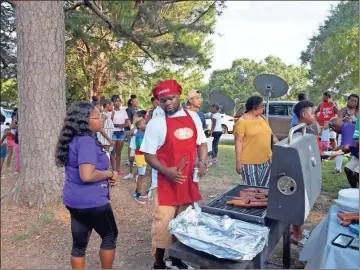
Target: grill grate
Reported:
[(219, 207)]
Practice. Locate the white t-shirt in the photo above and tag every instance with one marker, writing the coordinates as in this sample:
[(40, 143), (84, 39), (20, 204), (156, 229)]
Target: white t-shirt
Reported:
[(119, 118), (157, 112), (3, 127), (155, 135), (325, 135), (217, 117)]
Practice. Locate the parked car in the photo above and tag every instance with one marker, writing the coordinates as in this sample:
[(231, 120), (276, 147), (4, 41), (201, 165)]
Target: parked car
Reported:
[(280, 114), (227, 122)]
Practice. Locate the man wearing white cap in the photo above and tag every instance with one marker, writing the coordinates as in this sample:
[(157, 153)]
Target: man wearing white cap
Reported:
[(193, 102)]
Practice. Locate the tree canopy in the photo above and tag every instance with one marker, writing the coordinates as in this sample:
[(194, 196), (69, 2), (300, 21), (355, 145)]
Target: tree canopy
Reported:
[(125, 47), (237, 81), (332, 53)]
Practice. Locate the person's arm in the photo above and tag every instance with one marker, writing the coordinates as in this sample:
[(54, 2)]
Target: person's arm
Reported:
[(88, 173), (239, 140), (317, 111), (213, 124), (6, 132), (202, 151), (87, 160), (340, 114), (102, 132), (112, 116)]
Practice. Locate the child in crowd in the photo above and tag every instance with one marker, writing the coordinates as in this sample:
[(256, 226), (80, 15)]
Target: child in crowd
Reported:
[(304, 111), (105, 134), (325, 136), (140, 161), (120, 120), (5, 130), (132, 147)]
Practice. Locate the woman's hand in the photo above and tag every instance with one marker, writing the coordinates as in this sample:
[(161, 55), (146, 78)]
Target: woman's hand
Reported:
[(112, 143), (114, 178), (238, 167)]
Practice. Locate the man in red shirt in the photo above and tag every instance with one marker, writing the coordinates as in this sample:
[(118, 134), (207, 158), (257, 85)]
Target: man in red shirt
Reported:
[(326, 110)]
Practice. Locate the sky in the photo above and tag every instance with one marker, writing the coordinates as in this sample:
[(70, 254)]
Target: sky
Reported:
[(256, 29)]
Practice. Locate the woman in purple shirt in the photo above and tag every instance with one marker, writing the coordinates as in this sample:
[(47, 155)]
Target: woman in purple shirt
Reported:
[(87, 182)]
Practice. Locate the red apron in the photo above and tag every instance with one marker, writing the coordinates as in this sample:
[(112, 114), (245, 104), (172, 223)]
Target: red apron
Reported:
[(180, 140), (326, 113)]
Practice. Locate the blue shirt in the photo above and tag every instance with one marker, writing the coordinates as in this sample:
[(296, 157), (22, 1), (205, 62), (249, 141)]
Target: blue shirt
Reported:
[(202, 118), (294, 119)]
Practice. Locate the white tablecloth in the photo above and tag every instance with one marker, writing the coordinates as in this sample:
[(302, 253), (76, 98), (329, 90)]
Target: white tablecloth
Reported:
[(321, 254)]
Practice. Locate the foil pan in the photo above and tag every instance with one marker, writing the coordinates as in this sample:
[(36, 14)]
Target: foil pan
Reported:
[(219, 236)]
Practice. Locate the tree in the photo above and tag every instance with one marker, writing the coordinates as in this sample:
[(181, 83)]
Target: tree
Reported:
[(237, 81), (112, 42), (7, 41), (41, 86), (332, 53)]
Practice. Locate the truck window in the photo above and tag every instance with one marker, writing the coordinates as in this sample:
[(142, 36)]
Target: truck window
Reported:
[(278, 109)]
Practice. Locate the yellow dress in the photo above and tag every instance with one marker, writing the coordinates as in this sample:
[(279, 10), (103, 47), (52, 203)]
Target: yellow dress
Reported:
[(257, 140)]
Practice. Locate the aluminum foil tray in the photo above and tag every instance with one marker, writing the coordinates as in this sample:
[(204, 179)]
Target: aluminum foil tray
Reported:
[(219, 236)]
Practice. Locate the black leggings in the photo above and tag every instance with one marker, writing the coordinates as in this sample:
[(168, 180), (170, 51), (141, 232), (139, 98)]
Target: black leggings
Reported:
[(215, 143), (101, 219)]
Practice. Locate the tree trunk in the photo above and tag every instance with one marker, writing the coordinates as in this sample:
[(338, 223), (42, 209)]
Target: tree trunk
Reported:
[(41, 85)]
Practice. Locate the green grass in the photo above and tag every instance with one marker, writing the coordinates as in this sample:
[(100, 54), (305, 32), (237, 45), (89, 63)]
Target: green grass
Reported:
[(331, 183)]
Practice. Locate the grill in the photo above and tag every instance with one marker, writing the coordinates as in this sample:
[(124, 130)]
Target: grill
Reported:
[(219, 207)]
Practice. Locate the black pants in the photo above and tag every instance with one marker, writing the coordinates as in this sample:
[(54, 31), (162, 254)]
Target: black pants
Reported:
[(83, 221), (352, 177), (215, 143)]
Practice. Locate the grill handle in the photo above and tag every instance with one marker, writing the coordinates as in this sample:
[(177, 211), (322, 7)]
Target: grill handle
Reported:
[(293, 129)]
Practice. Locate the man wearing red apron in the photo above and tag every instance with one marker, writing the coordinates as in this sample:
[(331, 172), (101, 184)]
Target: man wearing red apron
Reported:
[(171, 145)]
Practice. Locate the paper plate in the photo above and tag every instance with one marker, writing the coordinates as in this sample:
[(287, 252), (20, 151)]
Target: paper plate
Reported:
[(346, 208), (350, 195)]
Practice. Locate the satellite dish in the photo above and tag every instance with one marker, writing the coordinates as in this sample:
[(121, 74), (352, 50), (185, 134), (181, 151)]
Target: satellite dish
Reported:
[(270, 86), (224, 101)]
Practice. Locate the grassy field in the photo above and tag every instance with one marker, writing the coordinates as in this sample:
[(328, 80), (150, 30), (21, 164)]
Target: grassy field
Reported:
[(330, 183)]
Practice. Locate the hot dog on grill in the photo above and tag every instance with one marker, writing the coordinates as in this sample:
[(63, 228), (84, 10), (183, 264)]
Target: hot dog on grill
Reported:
[(238, 202), (251, 199)]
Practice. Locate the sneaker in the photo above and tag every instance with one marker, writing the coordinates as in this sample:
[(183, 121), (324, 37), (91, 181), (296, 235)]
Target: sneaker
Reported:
[(160, 266), (214, 161), (144, 195), (16, 173), (140, 200), (128, 176), (127, 162), (174, 263)]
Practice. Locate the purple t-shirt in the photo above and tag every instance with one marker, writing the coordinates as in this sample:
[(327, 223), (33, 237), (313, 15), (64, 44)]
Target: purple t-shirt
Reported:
[(76, 193), (347, 133)]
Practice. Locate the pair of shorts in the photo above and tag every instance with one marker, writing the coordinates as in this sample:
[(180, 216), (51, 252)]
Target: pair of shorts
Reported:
[(3, 151), (325, 145), (353, 164), (141, 170), (118, 135), (160, 236)]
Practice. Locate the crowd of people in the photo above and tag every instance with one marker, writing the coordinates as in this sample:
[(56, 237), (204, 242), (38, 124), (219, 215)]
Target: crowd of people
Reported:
[(172, 140), (9, 142)]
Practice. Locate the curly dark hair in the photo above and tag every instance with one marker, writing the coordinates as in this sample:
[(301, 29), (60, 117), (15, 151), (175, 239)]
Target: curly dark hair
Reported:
[(76, 123), (253, 103)]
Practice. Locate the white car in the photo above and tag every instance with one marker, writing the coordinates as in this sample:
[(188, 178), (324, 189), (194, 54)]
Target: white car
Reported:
[(227, 122)]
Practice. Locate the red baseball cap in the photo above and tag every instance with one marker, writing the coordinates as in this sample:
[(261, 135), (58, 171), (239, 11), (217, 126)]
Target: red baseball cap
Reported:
[(167, 88)]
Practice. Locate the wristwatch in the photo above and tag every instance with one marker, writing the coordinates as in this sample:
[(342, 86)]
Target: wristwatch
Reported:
[(203, 162)]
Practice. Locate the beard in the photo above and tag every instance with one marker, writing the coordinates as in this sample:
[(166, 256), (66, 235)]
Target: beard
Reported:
[(172, 111)]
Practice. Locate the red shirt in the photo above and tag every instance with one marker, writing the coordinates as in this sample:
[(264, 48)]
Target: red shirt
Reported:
[(326, 112)]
